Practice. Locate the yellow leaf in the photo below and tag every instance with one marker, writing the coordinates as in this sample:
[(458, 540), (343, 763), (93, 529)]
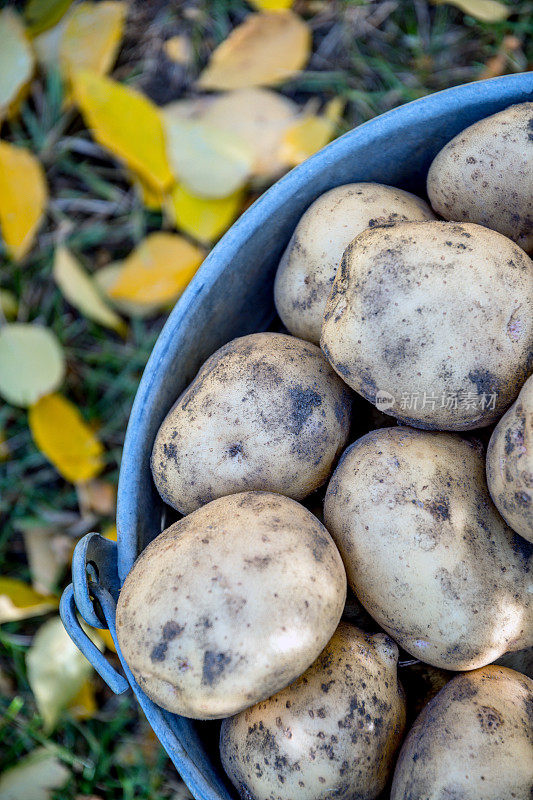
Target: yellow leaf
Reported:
[(20, 601), (151, 198), (35, 777), (258, 116), (61, 434), (83, 704), (179, 49), (158, 270), (32, 363), (56, 668), (110, 533), (266, 49), (203, 219), (106, 277), (484, 10), (271, 5), (46, 44), (40, 15), (106, 638), (126, 123), (16, 59), (209, 161), (304, 138), (8, 304), (23, 198), (80, 290), (92, 36)]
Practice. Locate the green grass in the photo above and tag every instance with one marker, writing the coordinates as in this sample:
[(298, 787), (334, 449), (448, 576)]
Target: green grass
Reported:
[(374, 55)]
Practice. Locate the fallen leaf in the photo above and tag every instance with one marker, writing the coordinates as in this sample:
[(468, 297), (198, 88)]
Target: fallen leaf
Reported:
[(40, 15), (47, 551), (258, 116), (92, 36), (16, 60), (97, 495), (271, 5), (125, 122), (20, 601), (151, 198), (23, 198), (46, 44), (178, 49), (56, 668), (5, 452), (8, 304), (310, 134), (82, 292), (158, 270), (203, 219), (83, 704), (497, 65), (483, 10), (104, 635), (32, 363), (105, 279), (209, 161), (35, 777), (266, 49), (110, 533), (61, 434), (182, 793)]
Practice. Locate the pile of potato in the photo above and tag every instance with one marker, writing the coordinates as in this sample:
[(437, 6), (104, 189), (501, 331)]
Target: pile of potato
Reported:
[(239, 609)]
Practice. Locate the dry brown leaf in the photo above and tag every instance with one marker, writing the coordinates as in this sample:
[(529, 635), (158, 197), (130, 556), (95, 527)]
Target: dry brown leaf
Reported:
[(98, 496), (158, 270), (497, 65), (266, 49), (47, 551)]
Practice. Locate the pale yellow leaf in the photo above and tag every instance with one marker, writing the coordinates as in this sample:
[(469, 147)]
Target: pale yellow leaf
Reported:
[(46, 44), (32, 363), (106, 277), (158, 270), (209, 161), (304, 138), (179, 49), (258, 116), (201, 218), (35, 777), (83, 704), (61, 434), (266, 49), (56, 668), (8, 304), (20, 601), (484, 10), (16, 59), (92, 36), (23, 198), (271, 5), (81, 291), (125, 122)]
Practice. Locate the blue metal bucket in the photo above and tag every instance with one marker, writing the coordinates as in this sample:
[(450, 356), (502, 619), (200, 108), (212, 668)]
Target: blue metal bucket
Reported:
[(231, 295)]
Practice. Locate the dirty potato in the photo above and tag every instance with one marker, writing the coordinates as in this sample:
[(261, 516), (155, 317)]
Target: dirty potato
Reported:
[(510, 464), (331, 734), (230, 604), (471, 742), (308, 266), (265, 412), (433, 321), (425, 549), (485, 175)]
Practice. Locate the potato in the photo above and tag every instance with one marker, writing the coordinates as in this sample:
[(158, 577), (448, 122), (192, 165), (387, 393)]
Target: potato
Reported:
[(471, 742), (485, 175), (426, 551), (333, 733), (230, 604), (510, 464), (433, 322), (308, 266), (265, 412)]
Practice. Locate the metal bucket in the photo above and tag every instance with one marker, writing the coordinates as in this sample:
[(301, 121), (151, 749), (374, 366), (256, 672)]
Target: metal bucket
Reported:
[(231, 295)]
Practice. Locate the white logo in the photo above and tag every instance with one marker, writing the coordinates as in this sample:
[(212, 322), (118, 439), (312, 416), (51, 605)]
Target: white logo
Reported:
[(384, 400)]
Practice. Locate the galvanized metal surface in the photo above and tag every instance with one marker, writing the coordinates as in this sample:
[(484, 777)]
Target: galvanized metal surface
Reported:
[(231, 295)]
